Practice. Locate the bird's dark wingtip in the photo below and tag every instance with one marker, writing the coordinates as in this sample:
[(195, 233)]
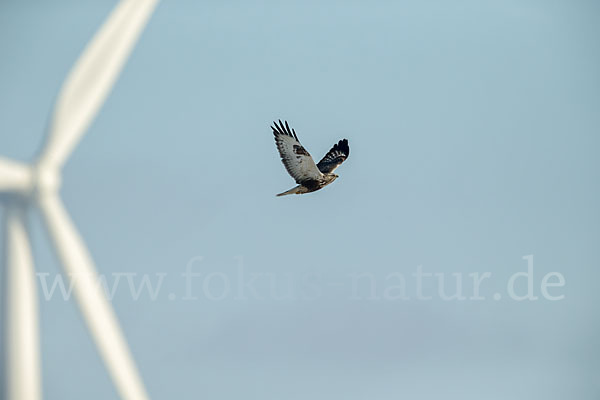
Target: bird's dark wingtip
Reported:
[(283, 128), (343, 146), (278, 129)]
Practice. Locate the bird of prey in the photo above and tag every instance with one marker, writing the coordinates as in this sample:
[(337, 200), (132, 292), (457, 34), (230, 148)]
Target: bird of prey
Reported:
[(300, 165)]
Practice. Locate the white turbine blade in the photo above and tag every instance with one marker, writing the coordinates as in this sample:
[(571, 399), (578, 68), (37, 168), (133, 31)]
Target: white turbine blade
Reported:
[(14, 175), (98, 313), (92, 77), (22, 346)]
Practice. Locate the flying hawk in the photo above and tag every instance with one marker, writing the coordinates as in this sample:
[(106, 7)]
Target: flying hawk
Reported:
[(300, 165)]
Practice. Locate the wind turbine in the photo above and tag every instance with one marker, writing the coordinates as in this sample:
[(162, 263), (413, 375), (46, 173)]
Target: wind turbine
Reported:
[(23, 186)]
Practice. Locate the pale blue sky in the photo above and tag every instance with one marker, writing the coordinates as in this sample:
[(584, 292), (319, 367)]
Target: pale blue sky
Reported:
[(474, 136)]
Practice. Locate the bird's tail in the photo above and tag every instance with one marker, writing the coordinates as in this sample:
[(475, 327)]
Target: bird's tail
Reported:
[(296, 190)]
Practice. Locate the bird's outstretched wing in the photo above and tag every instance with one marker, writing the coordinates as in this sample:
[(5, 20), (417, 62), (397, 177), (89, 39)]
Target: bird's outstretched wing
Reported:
[(334, 157), (297, 161)]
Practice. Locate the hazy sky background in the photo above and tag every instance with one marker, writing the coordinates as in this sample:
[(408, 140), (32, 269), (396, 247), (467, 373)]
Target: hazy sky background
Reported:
[(474, 135)]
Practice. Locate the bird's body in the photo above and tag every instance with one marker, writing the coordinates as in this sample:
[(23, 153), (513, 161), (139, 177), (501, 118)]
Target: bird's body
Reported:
[(298, 162), (311, 185)]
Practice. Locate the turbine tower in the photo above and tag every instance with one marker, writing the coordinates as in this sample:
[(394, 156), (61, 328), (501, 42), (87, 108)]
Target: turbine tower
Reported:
[(23, 186)]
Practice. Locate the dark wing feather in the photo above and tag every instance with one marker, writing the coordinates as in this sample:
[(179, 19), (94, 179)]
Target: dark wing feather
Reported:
[(297, 161), (334, 157)]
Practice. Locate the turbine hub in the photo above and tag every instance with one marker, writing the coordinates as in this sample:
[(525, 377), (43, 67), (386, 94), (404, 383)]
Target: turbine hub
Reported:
[(46, 179)]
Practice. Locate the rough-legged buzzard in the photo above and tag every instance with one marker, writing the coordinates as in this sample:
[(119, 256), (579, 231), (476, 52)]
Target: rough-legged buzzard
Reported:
[(300, 165)]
